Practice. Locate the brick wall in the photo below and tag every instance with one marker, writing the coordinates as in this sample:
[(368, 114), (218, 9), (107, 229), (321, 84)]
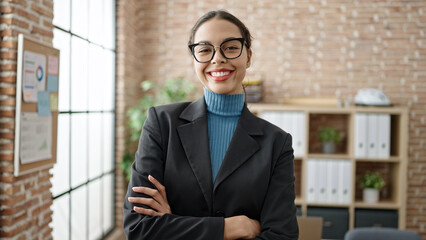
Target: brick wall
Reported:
[(128, 75), (322, 48), (25, 201)]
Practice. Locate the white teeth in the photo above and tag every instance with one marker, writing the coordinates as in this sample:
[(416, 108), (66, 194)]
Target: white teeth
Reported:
[(219, 74)]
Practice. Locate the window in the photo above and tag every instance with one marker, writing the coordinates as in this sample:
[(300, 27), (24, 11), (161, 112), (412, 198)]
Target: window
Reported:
[(83, 177)]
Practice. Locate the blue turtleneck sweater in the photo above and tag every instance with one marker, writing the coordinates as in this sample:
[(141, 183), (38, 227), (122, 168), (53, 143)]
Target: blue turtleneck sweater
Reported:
[(223, 113)]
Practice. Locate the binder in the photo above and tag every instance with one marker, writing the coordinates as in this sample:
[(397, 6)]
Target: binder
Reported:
[(344, 182), (372, 135), (300, 129), (383, 135), (312, 174), (332, 180), (322, 181), (360, 148), (271, 117)]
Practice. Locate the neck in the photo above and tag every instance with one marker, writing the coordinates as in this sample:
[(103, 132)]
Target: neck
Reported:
[(222, 104)]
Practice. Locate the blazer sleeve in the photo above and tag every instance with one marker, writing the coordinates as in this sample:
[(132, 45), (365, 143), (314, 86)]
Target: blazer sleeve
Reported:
[(278, 217), (149, 161)]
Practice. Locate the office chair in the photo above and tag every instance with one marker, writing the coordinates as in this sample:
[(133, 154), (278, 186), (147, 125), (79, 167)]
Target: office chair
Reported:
[(376, 233)]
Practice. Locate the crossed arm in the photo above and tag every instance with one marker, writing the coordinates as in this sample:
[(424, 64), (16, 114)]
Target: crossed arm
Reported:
[(236, 227)]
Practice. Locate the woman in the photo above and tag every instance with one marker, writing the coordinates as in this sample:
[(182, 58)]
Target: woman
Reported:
[(210, 169)]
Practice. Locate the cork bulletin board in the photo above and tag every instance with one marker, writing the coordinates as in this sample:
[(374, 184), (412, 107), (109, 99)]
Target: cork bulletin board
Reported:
[(36, 115)]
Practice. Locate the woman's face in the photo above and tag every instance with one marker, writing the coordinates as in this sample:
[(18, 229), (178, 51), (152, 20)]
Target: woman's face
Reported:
[(221, 75)]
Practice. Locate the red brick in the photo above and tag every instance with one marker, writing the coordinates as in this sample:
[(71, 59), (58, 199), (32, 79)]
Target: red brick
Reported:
[(6, 135), (6, 9), (6, 146), (42, 11), (9, 79), (11, 103), (7, 168), (7, 67), (8, 114), (20, 23), (41, 31), (8, 55), (29, 16), (6, 157), (6, 20), (6, 32)]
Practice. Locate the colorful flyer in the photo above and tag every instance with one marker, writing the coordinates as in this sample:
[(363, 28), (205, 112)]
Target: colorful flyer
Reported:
[(36, 137), (52, 83), (53, 102), (43, 105), (34, 75), (52, 65)]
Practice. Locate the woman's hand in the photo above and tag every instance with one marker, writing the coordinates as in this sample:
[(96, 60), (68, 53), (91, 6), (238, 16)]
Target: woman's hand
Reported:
[(241, 227), (158, 202)]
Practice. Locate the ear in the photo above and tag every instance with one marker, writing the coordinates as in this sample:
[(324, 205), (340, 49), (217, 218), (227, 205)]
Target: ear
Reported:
[(249, 53)]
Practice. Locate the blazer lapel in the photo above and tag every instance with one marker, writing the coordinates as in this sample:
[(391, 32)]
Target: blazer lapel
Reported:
[(195, 142), (242, 146)]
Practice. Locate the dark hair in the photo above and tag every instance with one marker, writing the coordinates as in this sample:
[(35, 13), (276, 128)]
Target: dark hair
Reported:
[(222, 14)]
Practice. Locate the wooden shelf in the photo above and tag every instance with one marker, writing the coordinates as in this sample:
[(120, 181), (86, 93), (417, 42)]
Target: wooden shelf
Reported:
[(325, 204), (328, 156), (380, 205), (390, 159), (393, 168)]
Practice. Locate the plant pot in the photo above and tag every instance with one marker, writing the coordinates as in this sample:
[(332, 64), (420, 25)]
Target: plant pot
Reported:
[(328, 147), (370, 195)]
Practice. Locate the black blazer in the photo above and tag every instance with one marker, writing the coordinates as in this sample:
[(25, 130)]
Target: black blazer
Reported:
[(256, 177)]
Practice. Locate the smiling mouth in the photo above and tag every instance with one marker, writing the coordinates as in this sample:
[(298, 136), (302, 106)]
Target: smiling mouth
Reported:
[(219, 74)]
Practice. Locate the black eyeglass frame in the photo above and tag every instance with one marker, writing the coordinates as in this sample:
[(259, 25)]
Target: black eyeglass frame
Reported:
[(192, 46)]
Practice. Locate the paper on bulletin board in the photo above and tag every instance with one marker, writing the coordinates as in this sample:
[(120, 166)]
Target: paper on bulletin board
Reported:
[(36, 137), (34, 75), (53, 65)]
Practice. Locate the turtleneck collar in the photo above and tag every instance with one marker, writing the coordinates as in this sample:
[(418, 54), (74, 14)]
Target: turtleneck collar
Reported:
[(222, 104)]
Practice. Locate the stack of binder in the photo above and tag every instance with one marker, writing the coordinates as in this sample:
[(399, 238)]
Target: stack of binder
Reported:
[(253, 90), (293, 123), (328, 181), (372, 135)]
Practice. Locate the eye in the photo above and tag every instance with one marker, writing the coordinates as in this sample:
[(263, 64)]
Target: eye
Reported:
[(204, 50)]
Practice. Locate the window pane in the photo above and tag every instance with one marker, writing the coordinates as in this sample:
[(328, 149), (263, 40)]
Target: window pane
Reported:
[(96, 81), (79, 74), (109, 80), (61, 11), (62, 41), (60, 218), (80, 20), (78, 213), (108, 200), (96, 21), (109, 24), (60, 181), (95, 208), (108, 141), (78, 149), (95, 145)]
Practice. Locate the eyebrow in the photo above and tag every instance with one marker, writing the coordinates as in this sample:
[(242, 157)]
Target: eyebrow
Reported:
[(226, 39)]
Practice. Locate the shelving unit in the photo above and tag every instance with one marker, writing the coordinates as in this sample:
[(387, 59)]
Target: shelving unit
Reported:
[(393, 168)]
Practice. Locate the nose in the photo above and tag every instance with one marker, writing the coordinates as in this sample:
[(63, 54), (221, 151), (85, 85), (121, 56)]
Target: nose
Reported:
[(218, 57)]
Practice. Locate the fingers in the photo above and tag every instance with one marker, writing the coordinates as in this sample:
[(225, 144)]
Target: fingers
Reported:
[(148, 212), (158, 185), (148, 202), (158, 202)]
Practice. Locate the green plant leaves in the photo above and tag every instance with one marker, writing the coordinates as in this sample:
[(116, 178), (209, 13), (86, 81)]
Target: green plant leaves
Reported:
[(372, 180), (173, 90)]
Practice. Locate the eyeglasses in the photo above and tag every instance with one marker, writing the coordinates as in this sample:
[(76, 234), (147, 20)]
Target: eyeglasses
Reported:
[(230, 49)]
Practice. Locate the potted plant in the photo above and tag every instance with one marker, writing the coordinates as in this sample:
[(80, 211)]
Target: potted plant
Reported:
[(328, 136), (371, 183), (174, 90)]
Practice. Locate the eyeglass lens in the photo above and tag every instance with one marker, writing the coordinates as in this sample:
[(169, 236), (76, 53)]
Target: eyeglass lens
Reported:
[(230, 49)]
